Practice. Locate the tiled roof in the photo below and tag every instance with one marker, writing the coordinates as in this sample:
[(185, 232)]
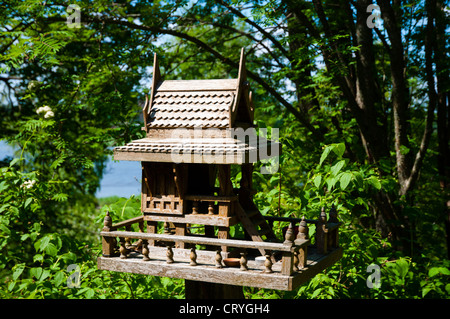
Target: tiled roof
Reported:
[(200, 150), (189, 109)]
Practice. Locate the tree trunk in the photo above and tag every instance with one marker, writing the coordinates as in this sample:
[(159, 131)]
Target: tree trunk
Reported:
[(443, 117)]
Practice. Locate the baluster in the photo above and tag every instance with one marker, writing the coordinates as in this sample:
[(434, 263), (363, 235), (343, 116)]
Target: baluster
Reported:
[(193, 257), (210, 209), (218, 258), (289, 236), (296, 261), (268, 264), (333, 214), (333, 236), (108, 243), (321, 233), (303, 233), (169, 254), (243, 261), (127, 240), (195, 207), (145, 250), (123, 250), (303, 230), (166, 228)]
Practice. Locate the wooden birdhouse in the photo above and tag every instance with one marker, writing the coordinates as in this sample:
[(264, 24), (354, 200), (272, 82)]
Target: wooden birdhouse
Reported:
[(195, 131)]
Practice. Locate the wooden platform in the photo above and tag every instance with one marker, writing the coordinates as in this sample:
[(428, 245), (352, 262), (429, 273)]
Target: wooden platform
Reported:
[(206, 272)]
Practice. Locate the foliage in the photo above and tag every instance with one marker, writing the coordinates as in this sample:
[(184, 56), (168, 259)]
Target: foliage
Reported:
[(69, 94)]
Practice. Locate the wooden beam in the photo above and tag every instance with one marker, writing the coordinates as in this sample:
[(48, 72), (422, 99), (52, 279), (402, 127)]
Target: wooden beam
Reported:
[(202, 219), (201, 241)]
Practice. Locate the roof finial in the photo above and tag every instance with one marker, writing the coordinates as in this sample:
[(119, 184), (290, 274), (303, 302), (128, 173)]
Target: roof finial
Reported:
[(242, 75)]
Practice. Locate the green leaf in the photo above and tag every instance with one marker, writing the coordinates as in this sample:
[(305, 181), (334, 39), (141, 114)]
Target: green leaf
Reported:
[(89, 293), (339, 149), (324, 155), (36, 272), (51, 249), (3, 186), (14, 161), (38, 257), (335, 169), (28, 202), (373, 181), (316, 293), (59, 278), (403, 267), (331, 181), (438, 270), (317, 180), (426, 290), (61, 197), (42, 243), (18, 270), (345, 179)]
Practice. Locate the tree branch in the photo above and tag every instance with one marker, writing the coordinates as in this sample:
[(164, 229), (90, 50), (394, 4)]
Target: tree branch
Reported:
[(299, 116), (432, 101), (239, 14)]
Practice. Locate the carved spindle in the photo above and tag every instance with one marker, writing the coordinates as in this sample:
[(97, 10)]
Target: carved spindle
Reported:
[(333, 215), (193, 257), (123, 250), (166, 228), (323, 216), (243, 261), (218, 258), (195, 208), (210, 209), (296, 261), (108, 243), (322, 233), (107, 222), (268, 264), (127, 240), (303, 230), (145, 250), (289, 237), (169, 254)]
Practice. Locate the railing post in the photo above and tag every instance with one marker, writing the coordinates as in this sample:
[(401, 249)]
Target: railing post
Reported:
[(108, 243), (334, 234), (268, 264), (123, 249), (243, 261), (169, 254), (287, 263), (218, 258), (193, 257), (303, 233), (145, 250), (321, 233)]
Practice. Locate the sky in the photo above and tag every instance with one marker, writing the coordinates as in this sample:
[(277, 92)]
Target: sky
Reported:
[(121, 178)]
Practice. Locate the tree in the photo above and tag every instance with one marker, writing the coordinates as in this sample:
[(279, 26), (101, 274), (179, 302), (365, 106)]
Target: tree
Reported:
[(317, 67)]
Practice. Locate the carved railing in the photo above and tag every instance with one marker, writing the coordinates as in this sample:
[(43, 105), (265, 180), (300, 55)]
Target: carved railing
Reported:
[(327, 231), (294, 249)]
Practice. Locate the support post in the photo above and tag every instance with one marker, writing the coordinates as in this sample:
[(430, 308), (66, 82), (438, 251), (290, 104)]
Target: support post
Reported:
[(108, 243)]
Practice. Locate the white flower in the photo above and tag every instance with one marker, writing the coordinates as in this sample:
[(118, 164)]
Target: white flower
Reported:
[(49, 114), (42, 109), (28, 184), (46, 110)]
